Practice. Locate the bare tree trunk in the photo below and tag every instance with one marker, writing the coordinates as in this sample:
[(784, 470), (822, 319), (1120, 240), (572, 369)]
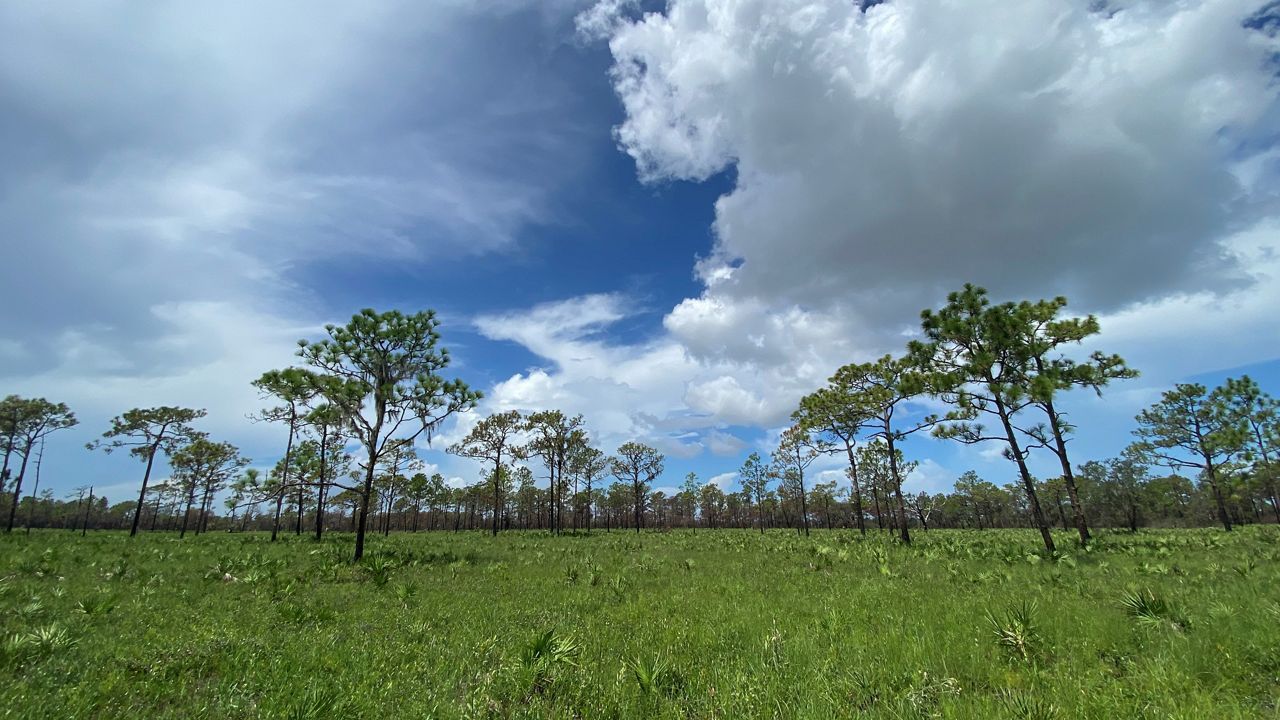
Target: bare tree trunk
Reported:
[(904, 532), (639, 507), (856, 488), (1068, 477), (1016, 451), (284, 472), (17, 489), (875, 496), (275, 525), (362, 523), (35, 489), (497, 489), (804, 505), (191, 500), (323, 488), (142, 494), (87, 508)]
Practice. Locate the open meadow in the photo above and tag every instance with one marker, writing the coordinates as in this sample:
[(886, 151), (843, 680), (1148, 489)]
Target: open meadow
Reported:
[(717, 624)]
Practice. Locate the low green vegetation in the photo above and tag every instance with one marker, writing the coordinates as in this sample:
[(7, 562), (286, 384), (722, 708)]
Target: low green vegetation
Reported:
[(718, 624)]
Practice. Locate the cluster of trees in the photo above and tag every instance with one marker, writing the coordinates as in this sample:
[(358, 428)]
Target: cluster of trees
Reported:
[(25, 424), (374, 383), (360, 398), (999, 372)]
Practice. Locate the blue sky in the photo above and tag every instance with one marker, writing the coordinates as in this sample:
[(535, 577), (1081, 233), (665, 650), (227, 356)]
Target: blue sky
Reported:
[(675, 218)]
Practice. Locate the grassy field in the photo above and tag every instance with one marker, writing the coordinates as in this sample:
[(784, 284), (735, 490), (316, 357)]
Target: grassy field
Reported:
[(723, 624)]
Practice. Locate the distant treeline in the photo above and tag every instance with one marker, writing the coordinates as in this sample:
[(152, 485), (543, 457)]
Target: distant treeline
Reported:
[(979, 373)]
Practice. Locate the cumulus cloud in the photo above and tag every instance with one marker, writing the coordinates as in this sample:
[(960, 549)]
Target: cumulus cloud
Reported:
[(625, 391), (165, 164), (887, 154)]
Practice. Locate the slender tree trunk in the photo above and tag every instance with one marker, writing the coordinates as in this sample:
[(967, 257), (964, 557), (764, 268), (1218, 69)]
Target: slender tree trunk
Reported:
[(639, 505), (903, 532), (142, 494), (391, 498), (17, 489), (1027, 483), (573, 504), (804, 503), (1068, 477), (284, 471), (363, 520), (8, 450), (1211, 473), (204, 499), (275, 524), (85, 530), (875, 497), (191, 500), (497, 489), (35, 489), (155, 513), (323, 489), (856, 487)]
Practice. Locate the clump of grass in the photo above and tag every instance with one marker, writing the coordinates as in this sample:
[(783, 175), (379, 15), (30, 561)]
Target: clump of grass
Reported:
[(655, 675), (775, 649), (29, 611), (20, 648), (1151, 610), (545, 656), (317, 700), (405, 593), (1016, 630), (928, 691), (1026, 705), (96, 604), (378, 569)]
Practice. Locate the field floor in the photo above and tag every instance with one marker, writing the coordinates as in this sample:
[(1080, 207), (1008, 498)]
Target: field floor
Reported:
[(718, 624)]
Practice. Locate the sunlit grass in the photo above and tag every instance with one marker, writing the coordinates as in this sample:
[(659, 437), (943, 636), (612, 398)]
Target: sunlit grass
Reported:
[(723, 624)]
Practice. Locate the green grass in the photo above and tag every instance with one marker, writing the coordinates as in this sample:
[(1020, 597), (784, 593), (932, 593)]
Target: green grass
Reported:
[(729, 624)]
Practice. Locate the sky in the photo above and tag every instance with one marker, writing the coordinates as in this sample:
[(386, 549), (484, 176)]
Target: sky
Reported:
[(674, 218)]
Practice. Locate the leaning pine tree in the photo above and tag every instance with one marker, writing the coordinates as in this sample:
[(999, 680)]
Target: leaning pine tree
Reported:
[(146, 432), (1040, 333), (385, 374), (975, 360)]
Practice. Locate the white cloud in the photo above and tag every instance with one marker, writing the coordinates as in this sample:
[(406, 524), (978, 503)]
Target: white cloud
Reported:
[(885, 157), (1120, 156), (164, 164), (656, 391), (930, 477), (724, 480)]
